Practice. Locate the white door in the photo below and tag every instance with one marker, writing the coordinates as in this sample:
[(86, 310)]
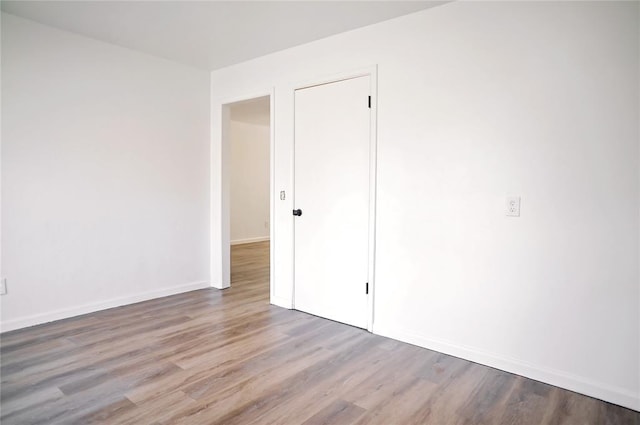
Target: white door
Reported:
[(332, 148)]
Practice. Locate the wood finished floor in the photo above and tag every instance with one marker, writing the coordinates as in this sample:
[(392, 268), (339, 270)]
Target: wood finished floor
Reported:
[(228, 357)]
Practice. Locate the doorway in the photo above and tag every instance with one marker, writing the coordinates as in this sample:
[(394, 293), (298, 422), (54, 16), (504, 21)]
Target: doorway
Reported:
[(247, 138)]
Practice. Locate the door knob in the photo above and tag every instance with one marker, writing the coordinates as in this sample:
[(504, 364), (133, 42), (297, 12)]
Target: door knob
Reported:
[(297, 212)]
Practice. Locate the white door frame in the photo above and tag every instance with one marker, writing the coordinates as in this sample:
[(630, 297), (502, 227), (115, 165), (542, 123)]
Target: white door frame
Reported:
[(225, 189), (372, 72)]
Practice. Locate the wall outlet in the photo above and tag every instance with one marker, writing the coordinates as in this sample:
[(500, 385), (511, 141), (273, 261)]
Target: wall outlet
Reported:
[(3, 286), (513, 206)]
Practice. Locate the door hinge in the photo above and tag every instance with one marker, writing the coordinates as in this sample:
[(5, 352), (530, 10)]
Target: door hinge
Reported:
[(366, 288), (369, 102)]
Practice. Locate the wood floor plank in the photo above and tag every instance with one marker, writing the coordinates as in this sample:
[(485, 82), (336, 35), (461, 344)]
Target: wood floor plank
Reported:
[(229, 357), (338, 412), (158, 408), (29, 399), (340, 383), (487, 402), (401, 405)]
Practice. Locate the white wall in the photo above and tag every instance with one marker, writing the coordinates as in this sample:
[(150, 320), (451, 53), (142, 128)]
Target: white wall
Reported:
[(105, 175), (249, 181), (478, 100)]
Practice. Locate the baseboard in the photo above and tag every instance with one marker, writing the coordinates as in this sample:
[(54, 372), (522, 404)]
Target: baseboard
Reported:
[(579, 384), (249, 240), (66, 313)]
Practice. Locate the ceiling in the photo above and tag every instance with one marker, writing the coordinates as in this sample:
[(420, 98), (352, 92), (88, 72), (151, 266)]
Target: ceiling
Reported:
[(210, 34)]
